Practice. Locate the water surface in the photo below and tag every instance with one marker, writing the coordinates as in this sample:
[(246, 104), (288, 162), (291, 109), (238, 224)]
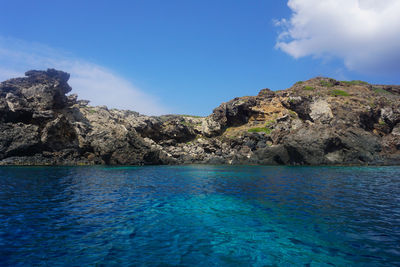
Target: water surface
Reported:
[(200, 216)]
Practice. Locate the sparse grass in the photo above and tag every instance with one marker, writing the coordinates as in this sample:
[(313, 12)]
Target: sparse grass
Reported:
[(354, 82), (339, 93), (231, 132), (308, 88), (260, 130), (190, 124), (293, 114), (92, 111), (187, 124), (382, 122), (381, 91), (191, 116), (299, 82), (372, 104), (327, 83), (268, 123)]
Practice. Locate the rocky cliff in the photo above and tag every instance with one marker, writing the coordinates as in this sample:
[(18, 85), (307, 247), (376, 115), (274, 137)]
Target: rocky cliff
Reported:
[(319, 121)]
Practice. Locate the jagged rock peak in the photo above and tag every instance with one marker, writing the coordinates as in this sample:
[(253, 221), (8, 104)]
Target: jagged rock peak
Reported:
[(50, 73), (266, 92), (39, 90), (53, 77)]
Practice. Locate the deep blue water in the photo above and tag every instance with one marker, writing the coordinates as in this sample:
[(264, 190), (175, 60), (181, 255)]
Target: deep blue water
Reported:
[(200, 216)]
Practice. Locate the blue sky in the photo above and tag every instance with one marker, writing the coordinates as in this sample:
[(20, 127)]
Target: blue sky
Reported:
[(187, 57)]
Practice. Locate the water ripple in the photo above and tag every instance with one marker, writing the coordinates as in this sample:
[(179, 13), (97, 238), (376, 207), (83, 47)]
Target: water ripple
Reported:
[(200, 215)]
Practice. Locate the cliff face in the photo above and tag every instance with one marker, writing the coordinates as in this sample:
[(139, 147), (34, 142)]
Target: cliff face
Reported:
[(319, 121)]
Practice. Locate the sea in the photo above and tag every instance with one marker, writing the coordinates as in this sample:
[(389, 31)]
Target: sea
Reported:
[(200, 215)]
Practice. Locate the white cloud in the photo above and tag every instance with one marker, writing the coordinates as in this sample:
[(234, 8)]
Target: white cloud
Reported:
[(364, 33), (90, 81)]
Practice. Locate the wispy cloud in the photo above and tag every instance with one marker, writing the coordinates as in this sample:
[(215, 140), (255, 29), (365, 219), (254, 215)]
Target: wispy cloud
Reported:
[(364, 33), (90, 81)]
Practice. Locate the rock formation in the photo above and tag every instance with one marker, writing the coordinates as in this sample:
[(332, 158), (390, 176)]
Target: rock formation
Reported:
[(319, 121)]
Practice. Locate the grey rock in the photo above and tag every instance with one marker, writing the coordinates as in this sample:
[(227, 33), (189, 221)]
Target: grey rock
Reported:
[(41, 125), (18, 139), (320, 111)]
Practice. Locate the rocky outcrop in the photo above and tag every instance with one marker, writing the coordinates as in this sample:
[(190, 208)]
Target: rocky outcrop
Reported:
[(233, 113), (320, 121)]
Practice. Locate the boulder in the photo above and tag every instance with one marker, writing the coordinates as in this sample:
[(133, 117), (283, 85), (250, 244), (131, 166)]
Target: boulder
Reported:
[(59, 134), (320, 111), (18, 139)]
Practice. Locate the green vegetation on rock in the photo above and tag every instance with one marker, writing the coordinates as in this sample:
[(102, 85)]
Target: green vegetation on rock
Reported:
[(329, 83), (381, 91), (260, 130), (309, 88), (293, 114), (354, 82), (191, 116), (339, 93)]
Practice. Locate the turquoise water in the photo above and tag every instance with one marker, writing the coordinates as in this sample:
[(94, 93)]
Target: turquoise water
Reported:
[(200, 216)]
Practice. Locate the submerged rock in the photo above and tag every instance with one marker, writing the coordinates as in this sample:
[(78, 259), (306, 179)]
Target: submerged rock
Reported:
[(320, 121)]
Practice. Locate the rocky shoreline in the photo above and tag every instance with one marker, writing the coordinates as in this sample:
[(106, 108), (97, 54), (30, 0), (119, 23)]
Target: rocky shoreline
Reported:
[(316, 122)]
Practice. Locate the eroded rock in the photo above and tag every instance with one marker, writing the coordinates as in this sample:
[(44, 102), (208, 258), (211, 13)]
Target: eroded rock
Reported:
[(320, 111), (320, 121)]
